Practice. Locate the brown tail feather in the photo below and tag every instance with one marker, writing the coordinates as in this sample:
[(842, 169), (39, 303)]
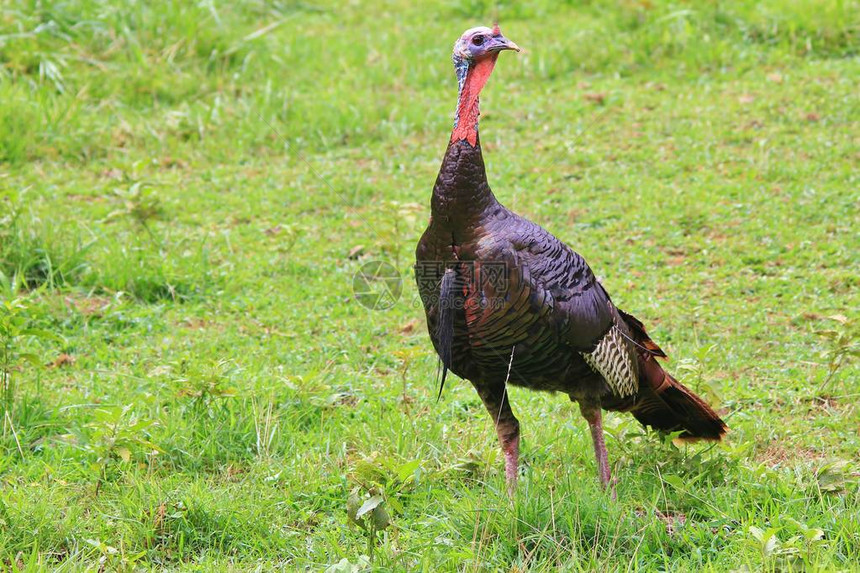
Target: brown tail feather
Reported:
[(664, 403), (640, 336)]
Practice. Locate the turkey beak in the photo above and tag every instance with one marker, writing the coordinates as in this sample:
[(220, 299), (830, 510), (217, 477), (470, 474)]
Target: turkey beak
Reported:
[(500, 43)]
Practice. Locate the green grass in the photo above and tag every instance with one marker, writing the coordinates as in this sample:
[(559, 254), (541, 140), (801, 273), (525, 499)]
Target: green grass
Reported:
[(182, 185)]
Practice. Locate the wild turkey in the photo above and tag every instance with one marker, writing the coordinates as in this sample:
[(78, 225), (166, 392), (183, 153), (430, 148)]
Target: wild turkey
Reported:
[(506, 301)]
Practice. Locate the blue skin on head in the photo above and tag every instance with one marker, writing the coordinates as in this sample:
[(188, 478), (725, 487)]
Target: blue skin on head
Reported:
[(479, 42), (474, 44)]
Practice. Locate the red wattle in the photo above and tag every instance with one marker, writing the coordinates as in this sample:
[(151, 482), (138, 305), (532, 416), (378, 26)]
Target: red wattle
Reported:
[(468, 112)]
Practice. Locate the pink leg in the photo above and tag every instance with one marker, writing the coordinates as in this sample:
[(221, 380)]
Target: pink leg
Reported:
[(511, 449), (594, 417), (495, 399)]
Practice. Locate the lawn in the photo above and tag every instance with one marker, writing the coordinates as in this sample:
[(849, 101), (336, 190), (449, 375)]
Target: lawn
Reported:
[(187, 190)]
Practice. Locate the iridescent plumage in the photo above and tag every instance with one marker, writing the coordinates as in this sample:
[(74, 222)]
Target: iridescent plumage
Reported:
[(508, 302)]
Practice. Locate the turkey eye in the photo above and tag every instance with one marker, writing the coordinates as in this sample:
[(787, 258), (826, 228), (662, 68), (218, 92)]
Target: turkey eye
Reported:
[(478, 40)]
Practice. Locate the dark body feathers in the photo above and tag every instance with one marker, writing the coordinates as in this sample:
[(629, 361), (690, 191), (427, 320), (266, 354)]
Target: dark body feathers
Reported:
[(517, 287)]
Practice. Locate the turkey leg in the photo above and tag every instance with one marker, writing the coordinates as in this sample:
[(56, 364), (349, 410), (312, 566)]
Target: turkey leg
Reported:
[(594, 416), (495, 399)]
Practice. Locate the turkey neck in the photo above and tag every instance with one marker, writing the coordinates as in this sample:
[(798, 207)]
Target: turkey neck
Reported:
[(462, 195)]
